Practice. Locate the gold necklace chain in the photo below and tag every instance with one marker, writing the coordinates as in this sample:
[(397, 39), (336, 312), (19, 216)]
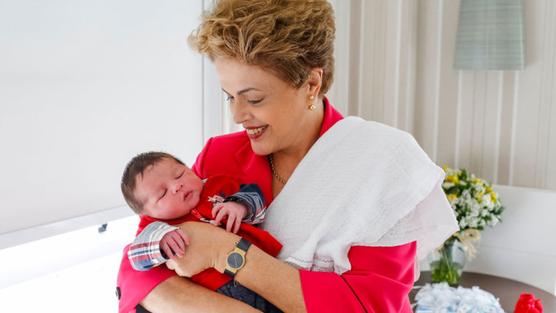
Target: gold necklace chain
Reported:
[(273, 168)]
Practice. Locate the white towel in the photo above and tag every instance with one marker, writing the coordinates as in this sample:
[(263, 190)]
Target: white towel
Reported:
[(359, 184)]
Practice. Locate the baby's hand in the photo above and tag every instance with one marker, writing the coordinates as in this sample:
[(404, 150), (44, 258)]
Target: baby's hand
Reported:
[(173, 243), (235, 212)]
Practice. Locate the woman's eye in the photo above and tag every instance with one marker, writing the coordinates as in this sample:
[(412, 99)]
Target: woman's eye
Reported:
[(180, 175), (229, 99), (255, 101)]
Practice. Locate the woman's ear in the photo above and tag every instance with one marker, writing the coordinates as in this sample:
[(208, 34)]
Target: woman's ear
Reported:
[(314, 81)]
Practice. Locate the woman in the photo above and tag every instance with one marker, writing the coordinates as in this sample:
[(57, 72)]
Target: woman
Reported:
[(275, 62)]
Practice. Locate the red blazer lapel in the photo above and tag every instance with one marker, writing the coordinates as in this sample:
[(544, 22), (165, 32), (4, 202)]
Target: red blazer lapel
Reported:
[(255, 168)]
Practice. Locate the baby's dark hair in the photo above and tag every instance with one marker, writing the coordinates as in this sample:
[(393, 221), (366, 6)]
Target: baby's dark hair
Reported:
[(137, 166)]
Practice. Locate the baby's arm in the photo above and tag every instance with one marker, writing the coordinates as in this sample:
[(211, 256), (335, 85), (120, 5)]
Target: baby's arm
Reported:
[(155, 244), (246, 205), (251, 196)]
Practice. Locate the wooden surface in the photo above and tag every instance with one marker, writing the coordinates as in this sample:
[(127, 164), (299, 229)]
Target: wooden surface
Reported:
[(506, 290)]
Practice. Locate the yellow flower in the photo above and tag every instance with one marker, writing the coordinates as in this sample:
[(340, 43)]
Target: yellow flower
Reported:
[(493, 196), (479, 197), (453, 179), (452, 197), (488, 189)]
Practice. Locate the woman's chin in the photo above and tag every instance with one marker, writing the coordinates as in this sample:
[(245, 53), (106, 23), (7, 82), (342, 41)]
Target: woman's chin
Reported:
[(260, 149)]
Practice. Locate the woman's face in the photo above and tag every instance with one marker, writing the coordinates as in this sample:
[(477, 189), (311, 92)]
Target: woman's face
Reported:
[(274, 114)]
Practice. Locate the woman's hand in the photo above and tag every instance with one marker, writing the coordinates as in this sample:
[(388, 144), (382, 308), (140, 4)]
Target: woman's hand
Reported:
[(207, 247), (271, 278)]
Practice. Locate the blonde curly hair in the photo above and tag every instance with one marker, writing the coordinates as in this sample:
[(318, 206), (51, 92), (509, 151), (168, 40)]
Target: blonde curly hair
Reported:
[(287, 37)]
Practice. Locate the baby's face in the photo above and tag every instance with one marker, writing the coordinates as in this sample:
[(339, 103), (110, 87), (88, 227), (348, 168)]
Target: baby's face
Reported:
[(168, 189)]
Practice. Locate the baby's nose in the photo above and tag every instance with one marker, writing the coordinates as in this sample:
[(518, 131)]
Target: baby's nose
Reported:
[(177, 187)]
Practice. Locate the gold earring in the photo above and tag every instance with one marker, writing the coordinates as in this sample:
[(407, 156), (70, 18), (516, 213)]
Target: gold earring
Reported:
[(311, 106)]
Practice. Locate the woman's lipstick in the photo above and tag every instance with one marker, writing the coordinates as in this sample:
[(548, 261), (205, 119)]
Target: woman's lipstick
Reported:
[(255, 132)]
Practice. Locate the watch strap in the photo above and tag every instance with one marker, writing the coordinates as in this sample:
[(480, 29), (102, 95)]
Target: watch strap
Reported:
[(229, 273), (243, 244)]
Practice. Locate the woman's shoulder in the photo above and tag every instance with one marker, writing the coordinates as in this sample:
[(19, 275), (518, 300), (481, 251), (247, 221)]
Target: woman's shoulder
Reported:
[(220, 153), (228, 143), (401, 144)]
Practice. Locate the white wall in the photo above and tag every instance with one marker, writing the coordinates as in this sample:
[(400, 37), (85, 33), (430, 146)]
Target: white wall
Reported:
[(394, 58), (376, 51), (519, 248), (84, 86)]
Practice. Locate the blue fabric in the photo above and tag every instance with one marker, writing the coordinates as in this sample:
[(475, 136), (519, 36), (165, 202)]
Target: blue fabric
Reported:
[(243, 294), (251, 196)]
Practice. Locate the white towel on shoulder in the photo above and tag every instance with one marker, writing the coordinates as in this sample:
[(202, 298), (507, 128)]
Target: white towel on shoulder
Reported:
[(360, 184)]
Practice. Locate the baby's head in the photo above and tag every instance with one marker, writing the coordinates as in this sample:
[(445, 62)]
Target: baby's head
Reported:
[(159, 185)]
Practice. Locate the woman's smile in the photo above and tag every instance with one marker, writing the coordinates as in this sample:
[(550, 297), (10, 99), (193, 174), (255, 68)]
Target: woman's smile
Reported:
[(255, 132)]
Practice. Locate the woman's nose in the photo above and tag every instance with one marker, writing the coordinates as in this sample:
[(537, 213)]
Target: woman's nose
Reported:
[(239, 112)]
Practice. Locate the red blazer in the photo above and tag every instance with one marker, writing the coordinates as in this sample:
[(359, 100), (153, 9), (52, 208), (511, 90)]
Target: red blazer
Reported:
[(380, 278)]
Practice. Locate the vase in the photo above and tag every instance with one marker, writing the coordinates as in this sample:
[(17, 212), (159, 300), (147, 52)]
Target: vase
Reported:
[(447, 262)]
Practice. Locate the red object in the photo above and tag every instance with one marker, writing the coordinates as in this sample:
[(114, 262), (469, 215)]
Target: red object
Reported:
[(380, 278), (527, 303)]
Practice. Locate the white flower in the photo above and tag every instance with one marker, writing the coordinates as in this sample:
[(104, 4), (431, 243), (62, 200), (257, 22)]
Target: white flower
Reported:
[(494, 221), (472, 199), (447, 185), (486, 200)]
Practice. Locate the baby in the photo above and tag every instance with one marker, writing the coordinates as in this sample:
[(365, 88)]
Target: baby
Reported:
[(165, 192)]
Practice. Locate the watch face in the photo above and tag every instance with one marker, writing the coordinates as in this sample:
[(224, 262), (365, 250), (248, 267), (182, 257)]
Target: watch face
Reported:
[(235, 260)]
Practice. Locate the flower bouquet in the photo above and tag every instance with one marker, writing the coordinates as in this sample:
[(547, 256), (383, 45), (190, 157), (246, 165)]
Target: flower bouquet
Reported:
[(476, 206)]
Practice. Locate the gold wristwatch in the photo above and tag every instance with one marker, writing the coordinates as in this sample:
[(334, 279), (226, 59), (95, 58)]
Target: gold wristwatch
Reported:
[(236, 258)]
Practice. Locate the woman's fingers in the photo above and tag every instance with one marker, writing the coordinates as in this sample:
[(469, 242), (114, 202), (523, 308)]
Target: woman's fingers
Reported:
[(174, 266), (206, 244), (171, 265)]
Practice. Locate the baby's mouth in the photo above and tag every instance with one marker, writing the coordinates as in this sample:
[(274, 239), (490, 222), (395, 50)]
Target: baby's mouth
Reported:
[(187, 195)]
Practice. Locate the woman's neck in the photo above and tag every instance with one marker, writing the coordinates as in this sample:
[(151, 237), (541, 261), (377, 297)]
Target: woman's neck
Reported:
[(286, 160), (299, 148)]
